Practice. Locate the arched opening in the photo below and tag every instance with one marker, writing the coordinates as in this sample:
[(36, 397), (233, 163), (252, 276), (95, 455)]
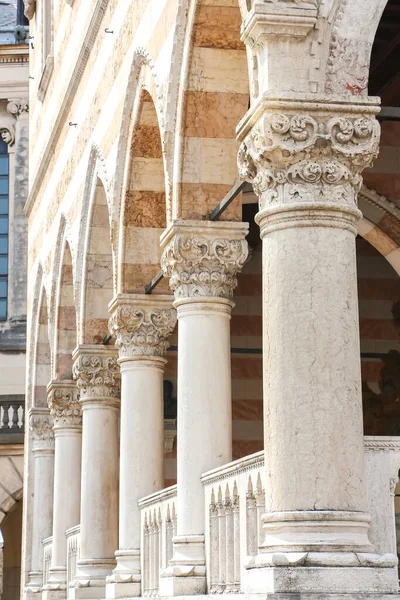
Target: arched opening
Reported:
[(215, 99), (11, 531), (42, 354), (143, 214), (143, 218), (65, 324), (97, 278)]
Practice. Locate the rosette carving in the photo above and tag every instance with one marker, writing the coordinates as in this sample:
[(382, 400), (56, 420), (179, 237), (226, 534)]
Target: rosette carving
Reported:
[(203, 266), (142, 330), (97, 375), (294, 158), (63, 400), (41, 426)]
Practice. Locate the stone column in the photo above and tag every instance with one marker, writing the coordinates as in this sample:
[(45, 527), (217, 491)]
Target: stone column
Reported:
[(141, 325), (305, 160), (98, 379), (66, 412), (41, 426), (202, 260)]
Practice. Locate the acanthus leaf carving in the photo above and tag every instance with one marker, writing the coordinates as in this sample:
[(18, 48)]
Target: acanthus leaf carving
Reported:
[(204, 266), (97, 375), (142, 329), (41, 426), (63, 401), (292, 158)]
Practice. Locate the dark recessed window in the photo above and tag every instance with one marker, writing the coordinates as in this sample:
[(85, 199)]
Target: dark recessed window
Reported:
[(21, 18), (4, 179)]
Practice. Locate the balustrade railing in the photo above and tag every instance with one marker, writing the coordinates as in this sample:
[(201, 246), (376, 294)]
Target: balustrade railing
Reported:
[(234, 497), (47, 553), (73, 546), (158, 526), (12, 419)]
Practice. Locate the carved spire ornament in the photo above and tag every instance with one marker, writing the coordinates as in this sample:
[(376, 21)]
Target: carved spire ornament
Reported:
[(142, 324), (96, 371), (63, 400), (204, 258), (308, 153)]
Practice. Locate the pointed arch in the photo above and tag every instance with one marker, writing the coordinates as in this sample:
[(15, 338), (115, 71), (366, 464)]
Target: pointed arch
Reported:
[(142, 77), (43, 355), (213, 97), (349, 51), (95, 266), (62, 304)]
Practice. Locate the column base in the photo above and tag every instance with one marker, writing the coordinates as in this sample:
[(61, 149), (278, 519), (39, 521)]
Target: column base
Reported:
[(125, 580), (90, 579), (321, 573), (35, 582), (326, 531), (52, 594), (186, 575)]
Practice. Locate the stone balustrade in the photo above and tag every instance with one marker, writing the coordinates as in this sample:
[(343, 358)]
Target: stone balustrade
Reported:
[(234, 503), (47, 554), (12, 419), (158, 527), (73, 542), (234, 497)]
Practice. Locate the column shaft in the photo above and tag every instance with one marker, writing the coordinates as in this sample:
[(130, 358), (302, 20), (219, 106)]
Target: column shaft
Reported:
[(97, 374), (305, 162), (141, 325), (204, 403), (202, 260), (66, 412), (43, 451)]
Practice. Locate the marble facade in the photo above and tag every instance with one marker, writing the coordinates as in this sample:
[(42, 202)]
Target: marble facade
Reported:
[(137, 132)]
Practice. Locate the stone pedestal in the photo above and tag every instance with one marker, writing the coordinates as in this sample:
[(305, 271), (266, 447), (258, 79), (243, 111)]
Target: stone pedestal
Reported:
[(202, 260), (98, 379), (66, 412), (305, 162), (41, 426), (142, 326)]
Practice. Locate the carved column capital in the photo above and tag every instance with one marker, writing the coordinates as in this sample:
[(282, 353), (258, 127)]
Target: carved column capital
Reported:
[(17, 107), (63, 401), (97, 373), (305, 154), (203, 258), (266, 18), (41, 426), (142, 324)]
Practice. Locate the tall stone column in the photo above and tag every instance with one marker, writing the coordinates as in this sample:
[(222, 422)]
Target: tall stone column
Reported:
[(305, 160), (202, 260), (66, 412), (41, 426), (141, 325), (98, 379)]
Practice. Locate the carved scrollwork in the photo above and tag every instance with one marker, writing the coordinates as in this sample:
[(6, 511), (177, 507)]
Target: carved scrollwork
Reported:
[(63, 401), (142, 330), (203, 266), (97, 376), (301, 157), (41, 426), (17, 107)]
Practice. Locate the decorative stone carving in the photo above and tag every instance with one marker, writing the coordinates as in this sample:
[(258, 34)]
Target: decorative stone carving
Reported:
[(41, 426), (204, 259), (8, 134), (96, 371), (30, 8), (17, 107), (63, 400), (293, 157), (142, 325)]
